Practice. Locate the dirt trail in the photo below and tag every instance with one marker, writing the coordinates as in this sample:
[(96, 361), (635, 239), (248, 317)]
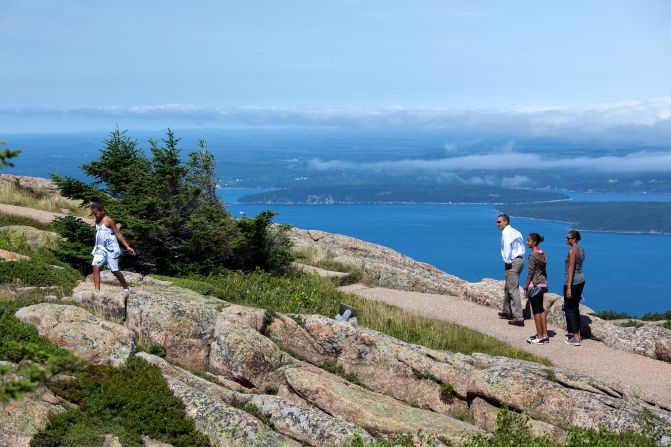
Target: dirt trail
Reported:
[(39, 215), (650, 379)]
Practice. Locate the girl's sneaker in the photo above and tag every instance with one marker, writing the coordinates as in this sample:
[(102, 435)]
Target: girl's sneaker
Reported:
[(538, 341), (546, 339), (531, 339)]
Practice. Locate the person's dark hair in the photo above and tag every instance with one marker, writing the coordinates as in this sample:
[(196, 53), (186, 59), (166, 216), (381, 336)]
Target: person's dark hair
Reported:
[(504, 217), (537, 238), (575, 234), (96, 206)]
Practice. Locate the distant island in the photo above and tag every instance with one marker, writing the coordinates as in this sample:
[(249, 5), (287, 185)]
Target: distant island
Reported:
[(388, 194), (635, 217)]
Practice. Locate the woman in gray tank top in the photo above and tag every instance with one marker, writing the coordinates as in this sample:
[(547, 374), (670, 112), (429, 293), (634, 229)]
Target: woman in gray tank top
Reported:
[(574, 282)]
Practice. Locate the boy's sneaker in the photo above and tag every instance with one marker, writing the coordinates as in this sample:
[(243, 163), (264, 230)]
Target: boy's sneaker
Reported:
[(572, 342)]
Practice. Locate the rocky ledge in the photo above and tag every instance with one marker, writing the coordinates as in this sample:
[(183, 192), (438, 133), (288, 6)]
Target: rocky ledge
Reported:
[(385, 267), (289, 380)]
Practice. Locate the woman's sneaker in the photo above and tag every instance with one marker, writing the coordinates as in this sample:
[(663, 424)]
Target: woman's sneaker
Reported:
[(573, 342)]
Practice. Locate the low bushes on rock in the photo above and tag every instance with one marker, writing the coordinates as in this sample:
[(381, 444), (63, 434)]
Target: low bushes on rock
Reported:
[(129, 402), (512, 430), (39, 274)]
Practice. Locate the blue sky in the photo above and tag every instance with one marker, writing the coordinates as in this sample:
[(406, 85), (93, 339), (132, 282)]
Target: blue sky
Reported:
[(81, 64)]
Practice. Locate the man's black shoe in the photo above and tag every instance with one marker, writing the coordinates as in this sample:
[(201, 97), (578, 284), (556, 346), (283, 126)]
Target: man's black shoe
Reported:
[(505, 316), (517, 323)]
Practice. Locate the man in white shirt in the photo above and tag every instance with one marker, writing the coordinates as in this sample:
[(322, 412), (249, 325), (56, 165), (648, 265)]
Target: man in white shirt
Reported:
[(512, 252)]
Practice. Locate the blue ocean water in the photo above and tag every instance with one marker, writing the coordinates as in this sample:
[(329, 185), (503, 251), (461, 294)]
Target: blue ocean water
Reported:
[(625, 272)]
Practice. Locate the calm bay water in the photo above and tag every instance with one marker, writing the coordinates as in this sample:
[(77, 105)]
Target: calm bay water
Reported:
[(623, 271)]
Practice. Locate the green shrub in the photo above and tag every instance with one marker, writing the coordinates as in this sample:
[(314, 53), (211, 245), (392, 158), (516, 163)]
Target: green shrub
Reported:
[(613, 315), (129, 402), (75, 247), (446, 391), (511, 430), (38, 273), (667, 325)]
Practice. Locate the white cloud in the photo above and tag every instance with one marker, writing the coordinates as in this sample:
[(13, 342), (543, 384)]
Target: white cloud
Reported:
[(633, 119), (496, 161)]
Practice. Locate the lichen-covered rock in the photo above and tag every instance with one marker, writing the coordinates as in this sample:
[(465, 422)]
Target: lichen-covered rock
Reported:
[(380, 265), (653, 341), (384, 364), (522, 387), (484, 415), (107, 277), (373, 411), (225, 425), (21, 419), (488, 292), (179, 320), (18, 234), (107, 304), (80, 331), (240, 352), (251, 317), (36, 185)]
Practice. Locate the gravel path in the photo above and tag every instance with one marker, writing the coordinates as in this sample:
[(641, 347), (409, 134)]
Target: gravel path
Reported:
[(39, 215), (648, 378)]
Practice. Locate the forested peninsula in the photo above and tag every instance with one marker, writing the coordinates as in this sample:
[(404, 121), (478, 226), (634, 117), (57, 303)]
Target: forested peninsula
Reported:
[(638, 217), (366, 194)]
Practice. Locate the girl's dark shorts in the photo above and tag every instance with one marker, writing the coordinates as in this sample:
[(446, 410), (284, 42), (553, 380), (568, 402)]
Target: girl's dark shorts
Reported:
[(537, 304)]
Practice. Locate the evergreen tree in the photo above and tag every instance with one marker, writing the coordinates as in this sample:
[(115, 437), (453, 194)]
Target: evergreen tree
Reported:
[(170, 211)]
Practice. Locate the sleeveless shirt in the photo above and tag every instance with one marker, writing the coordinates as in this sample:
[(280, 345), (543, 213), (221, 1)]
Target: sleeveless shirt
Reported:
[(578, 276)]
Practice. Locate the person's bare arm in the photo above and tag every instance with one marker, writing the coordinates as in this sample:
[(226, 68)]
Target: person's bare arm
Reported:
[(111, 224), (571, 270)]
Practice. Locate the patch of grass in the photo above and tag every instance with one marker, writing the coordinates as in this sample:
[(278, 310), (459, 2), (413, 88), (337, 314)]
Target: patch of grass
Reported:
[(299, 320), (550, 375), (129, 402), (151, 348), (667, 325), (43, 270), (446, 391), (424, 376), (420, 439), (10, 219), (13, 195), (319, 258), (338, 370), (631, 323), (254, 411), (295, 293)]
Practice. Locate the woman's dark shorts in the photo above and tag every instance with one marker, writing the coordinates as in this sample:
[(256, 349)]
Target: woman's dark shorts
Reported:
[(537, 303)]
